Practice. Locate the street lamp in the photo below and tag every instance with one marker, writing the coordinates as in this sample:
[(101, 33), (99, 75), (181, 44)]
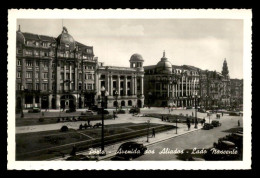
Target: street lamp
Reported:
[(148, 127), (116, 95), (102, 96), (196, 119)]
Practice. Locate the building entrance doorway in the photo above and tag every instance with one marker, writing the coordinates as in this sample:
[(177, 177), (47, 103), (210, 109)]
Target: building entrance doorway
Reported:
[(67, 101)]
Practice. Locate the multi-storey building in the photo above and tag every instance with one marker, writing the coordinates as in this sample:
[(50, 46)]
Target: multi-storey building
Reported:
[(170, 85), (215, 87), (124, 85), (54, 72), (236, 92)]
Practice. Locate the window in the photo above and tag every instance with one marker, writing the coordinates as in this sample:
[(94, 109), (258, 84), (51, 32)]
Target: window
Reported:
[(45, 54), (53, 65), (29, 63), (28, 74), (114, 84), (45, 86), (28, 52), (29, 86), (89, 86), (45, 75), (36, 53), (37, 75), (80, 77), (90, 76), (67, 76), (19, 86), (36, 43), (44, 44), (18, 62), (53, 75), (62, 75), (19, 51), (158, 86), (37, 64), (37, 86), (80, 86), (45, 64), (85, 76), (18, 74)]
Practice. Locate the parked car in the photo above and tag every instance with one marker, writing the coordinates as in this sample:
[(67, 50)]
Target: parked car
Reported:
[(189, 107), (104, 112), (71, 110), (94, 108), (234, 114), (201, 110), (216, 123), (34, 110), (134, 110), (97, 125), (208, 126), (87, 112), (130, 150)]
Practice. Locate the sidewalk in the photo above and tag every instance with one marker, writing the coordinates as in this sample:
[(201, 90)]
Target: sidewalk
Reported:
[(112, 149)]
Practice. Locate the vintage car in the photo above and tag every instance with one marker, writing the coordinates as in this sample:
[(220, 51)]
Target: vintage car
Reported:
[(134, 110), (129, 150), (208, 126), (34, 110), (71, 110), (97, 125), (88, 113), (216, 123), (104, 112)]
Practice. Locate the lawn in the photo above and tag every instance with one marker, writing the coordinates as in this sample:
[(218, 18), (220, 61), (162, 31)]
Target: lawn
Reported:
[(48, 144), (172, 117)]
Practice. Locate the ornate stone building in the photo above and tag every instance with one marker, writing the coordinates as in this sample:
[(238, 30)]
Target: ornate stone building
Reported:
[(54, 72), (126, 82), (170, 85), (236, 92)]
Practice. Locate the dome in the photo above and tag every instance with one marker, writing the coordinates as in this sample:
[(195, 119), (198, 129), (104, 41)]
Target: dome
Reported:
[(164, 66), (66, 41), (136, 58)]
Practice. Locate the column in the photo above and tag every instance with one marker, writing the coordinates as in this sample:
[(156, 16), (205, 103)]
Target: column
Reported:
[(186, 86), (182, 86), (125, 85), (64, 85), (132, 85), (107, 83), (135, 85), (76, 76), (142, 85), (173, 90), (70, 76), (33, 75), (57, 102), (118, 84), (40, 75), (50, 75), (111, 85), (50, 98), (168, 90), (33, 100), (40, 102)]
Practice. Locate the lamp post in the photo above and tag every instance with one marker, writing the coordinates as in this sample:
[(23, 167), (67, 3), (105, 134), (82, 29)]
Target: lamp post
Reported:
[(116, 95), (102, 96), (148, 127), (196, 119)]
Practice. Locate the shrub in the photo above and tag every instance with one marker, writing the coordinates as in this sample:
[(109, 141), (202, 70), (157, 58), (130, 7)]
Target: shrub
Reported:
[(41, 119), (64, 128)]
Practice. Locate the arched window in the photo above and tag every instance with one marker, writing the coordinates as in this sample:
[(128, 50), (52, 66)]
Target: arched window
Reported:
[(122, 103), (129, 103), (115, 103)]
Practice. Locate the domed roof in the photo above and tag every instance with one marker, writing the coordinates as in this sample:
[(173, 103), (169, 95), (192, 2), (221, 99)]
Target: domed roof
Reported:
[(65, 40), (164, 66), (136, 58)]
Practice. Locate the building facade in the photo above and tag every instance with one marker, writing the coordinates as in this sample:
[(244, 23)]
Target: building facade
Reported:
[(236, 93), (170, 85), (124, 85), (54, 72)]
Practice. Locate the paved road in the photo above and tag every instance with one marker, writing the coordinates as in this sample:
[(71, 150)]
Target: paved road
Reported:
[(197, 139)]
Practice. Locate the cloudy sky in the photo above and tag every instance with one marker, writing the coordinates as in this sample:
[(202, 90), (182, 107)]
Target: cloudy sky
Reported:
[(198, 42)]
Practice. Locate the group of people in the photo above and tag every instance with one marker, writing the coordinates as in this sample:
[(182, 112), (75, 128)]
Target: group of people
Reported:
[(85, 126)]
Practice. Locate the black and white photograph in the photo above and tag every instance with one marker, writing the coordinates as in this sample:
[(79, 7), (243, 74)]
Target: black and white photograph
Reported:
[(129, 89)]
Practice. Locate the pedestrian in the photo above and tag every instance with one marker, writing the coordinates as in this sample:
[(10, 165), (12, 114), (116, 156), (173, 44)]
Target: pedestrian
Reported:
[(88, 122), (42, 113), (238, 123), (222, 114), (188, 123), (192, 114), (80, 127), (114, 114), (162, 118), (85, 126), (204, 120), (153, 132)]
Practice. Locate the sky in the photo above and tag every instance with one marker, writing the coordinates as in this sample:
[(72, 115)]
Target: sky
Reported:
[(203, 43)]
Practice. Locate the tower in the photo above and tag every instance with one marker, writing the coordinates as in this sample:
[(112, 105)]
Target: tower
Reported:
[(136, 61), (225, 71)]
